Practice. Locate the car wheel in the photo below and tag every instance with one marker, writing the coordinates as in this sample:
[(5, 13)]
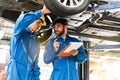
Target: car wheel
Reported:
[(43, 37), (66, 7)]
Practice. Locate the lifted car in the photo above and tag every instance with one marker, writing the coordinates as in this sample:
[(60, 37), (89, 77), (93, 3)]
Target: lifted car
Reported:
[(88, 18)]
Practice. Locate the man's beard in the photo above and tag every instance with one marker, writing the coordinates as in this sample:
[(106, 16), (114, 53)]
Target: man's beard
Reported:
[(60, 33)]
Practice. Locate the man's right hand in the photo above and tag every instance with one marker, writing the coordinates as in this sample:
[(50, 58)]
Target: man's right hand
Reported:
[(45, 10), (56, 45)]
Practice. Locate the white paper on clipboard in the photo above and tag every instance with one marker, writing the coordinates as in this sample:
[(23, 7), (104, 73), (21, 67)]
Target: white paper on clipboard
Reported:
[(73, 45)]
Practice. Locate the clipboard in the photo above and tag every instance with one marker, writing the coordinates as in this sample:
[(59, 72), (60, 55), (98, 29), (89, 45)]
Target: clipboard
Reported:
[(69, 47)]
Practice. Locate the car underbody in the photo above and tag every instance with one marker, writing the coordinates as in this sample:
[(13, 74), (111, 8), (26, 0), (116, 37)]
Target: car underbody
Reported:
[(94, 22)]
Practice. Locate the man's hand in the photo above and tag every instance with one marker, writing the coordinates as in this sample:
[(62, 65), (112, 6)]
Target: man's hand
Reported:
[(56, 45), (74, 52), (45, 10)]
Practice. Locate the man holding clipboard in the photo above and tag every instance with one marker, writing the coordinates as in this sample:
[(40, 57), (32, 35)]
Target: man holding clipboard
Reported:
[(64, 66)]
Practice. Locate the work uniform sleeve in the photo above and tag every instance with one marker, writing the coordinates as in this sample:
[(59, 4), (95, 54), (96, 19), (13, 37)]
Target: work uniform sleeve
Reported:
[(25, 20), (50, 54), (36, 71), (81, 56)]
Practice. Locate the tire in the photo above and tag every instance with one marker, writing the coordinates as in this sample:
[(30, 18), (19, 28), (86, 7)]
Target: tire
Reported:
[(116, 14), (61, 10)]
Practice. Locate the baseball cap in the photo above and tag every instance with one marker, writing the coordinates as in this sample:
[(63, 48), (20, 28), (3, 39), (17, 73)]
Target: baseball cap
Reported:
[(42, 18)]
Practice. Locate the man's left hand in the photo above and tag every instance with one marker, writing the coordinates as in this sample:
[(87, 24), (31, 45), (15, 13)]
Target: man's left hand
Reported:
[(74, 52)]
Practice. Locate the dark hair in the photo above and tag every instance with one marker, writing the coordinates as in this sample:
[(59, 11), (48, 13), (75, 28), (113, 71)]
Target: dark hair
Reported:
[(60, 20)]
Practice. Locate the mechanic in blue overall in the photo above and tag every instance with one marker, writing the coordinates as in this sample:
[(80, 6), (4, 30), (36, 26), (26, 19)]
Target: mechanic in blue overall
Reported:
[(64, 68), (24, 46)]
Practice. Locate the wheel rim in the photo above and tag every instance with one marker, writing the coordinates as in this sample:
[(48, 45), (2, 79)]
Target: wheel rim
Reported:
[(71, 3)]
